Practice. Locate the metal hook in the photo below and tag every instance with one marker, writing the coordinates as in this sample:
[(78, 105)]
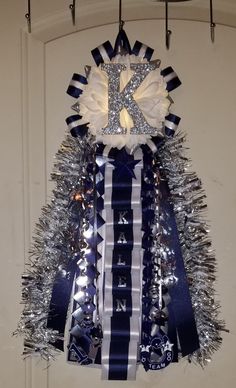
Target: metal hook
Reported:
[(212, 24), (121, 22), (168, 32), (72, 8), (28, 16)]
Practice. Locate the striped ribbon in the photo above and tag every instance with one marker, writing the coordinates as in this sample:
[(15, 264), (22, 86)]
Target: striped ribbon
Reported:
[(120, 280), (170, 126), (76, 86), (103, 53), (171, 78), (76, 129), (142, 51)]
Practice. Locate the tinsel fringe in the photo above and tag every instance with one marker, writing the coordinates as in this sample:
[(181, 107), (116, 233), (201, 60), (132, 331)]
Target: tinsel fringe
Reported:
[(53, 246), (188, 200)]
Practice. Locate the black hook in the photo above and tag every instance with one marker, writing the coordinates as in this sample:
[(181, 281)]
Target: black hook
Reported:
[(121, 22), (28, 17), (72, 8), (168, 32), (212, 24)]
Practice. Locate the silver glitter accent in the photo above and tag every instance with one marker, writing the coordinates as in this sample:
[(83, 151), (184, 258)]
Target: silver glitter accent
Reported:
[(87, 70), (76, 107), (118, 100)]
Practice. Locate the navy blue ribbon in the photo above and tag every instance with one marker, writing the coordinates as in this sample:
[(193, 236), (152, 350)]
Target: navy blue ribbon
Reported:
[(119, 350), (122, 42), (60, 301), (172, 332)]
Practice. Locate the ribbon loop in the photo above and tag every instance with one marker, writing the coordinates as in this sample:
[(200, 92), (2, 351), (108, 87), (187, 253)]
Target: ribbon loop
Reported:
[(103, 53), (142, 51), (171, 124), (76, 86), (74, 127), (171, 78)]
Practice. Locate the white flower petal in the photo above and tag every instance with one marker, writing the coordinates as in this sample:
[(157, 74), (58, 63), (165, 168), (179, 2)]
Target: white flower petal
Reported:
[(151, 97)]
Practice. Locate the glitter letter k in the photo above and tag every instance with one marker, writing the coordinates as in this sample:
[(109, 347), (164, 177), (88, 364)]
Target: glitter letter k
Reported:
[(118, 100)]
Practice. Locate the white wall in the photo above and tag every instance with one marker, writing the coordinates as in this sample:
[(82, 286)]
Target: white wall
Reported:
[(206, 102), (11, 224)]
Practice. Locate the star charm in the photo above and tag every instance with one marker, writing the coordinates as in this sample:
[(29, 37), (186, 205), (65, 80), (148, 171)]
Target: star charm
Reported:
[(124, 164)]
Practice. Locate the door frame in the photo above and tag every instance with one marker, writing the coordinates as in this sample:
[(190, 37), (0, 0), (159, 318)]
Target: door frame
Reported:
[(33, 109)]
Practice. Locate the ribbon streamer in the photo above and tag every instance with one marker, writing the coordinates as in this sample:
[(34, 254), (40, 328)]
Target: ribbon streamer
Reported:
[(60, 301), (122, 268)]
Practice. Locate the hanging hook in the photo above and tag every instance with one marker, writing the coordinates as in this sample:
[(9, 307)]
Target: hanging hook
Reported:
[(72, 8), (212, 24), (168, 32), (121, 22), (28, 17)]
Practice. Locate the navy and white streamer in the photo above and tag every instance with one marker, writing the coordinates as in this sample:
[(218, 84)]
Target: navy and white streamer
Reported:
[(122, 268)]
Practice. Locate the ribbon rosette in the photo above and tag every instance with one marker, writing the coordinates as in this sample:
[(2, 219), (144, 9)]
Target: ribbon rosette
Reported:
[(151, 98)]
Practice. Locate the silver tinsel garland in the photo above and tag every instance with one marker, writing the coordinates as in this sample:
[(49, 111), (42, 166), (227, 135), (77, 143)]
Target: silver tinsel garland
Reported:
[(188, 199), (54, 244)]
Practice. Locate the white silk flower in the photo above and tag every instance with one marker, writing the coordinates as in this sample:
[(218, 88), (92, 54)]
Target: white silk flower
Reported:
[(151, 97)]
